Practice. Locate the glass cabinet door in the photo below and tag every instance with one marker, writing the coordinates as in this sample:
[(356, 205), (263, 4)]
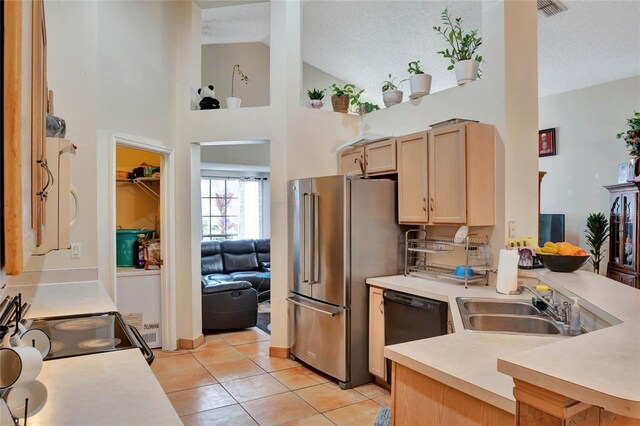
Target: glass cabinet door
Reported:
[(628, 226), (616, 229)]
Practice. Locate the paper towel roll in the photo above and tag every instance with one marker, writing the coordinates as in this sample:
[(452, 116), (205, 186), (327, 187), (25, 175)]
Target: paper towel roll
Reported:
[(507, 279)]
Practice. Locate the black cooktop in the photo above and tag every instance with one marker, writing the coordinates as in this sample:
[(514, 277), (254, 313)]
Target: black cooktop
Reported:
[(85, 334)]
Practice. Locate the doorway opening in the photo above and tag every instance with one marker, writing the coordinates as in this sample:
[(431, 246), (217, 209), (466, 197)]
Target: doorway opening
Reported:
[(235, 206), (142, 272)]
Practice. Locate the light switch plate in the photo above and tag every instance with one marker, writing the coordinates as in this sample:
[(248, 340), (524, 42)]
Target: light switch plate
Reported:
[(76, 250)]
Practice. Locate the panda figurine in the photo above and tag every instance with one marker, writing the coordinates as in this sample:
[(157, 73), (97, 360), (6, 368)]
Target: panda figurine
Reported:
[(208, 98)]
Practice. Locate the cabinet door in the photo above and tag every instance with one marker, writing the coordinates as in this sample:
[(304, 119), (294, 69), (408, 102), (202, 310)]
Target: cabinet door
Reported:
[(376, 333), (351, 160), (447, 175), (380, 157), (615, 229), (412, 179)]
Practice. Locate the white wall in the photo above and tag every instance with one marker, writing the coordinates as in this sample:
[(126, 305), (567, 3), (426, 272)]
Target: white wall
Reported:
[(246, 154), (588, 152), (112, 67), (72, 39), (218, 61)]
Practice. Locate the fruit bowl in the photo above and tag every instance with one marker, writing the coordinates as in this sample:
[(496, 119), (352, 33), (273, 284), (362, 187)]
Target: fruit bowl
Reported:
[(558, 263)]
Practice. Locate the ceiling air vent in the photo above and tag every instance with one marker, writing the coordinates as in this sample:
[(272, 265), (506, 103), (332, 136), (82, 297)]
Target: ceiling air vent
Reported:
[(551, 7)]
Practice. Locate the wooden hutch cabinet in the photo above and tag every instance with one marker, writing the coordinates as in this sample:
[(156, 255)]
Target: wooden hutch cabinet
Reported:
[(624, 260)]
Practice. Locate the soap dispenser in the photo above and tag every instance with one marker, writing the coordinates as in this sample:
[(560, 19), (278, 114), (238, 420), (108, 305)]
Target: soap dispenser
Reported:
[(574, 323)]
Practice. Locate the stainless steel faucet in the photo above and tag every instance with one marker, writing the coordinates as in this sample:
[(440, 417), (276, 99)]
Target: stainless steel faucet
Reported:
[(553, 309)]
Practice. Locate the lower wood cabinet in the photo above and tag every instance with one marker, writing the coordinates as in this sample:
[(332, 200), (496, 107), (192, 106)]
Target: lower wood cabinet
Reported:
[(420, 400), (377, 364)]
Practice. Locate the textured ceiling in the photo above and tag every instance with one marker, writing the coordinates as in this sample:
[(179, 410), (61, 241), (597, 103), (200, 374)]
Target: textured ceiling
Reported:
[(244, 23), (363, 41)]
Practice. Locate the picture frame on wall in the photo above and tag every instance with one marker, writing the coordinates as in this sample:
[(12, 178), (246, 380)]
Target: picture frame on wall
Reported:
[(546, 142), (623, 173)]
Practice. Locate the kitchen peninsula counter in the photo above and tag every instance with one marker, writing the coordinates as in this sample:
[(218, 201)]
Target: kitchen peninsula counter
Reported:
[(601, 368), (110, 388)]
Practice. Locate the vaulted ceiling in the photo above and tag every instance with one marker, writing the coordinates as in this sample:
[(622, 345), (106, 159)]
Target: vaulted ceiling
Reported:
[(363, 41)]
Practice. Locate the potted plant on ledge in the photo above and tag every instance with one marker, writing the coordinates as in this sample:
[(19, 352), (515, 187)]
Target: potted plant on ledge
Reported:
[(233, 102), (362, 107), (463, 55), (419, 81), (341, 96), (315, 98), (632, 139), (390, 93)]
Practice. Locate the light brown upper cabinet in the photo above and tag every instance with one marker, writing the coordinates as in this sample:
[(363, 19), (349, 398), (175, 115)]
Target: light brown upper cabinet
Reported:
[(352, 161), (373, 158), (458, 185), (380, 156), (412, 179)]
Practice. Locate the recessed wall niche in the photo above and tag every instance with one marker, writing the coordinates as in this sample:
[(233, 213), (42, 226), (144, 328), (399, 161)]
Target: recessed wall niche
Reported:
[(235, 53)]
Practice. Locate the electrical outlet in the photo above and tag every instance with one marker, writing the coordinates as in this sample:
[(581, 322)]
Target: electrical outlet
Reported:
[(76, 250), (512, 229)]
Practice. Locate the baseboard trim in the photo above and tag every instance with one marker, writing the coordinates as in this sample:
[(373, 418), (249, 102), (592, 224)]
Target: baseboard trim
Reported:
[(191, 343), (279, 352)]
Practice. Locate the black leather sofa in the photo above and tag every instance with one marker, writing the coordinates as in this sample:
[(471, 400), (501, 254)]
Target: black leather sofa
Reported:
[(236, 260), (230, 284)]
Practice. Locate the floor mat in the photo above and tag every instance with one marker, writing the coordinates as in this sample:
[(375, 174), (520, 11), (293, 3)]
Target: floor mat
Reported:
[(383, 418), (264, 319)]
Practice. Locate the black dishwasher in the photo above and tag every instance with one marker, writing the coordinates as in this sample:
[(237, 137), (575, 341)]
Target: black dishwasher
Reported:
[(408, 317)]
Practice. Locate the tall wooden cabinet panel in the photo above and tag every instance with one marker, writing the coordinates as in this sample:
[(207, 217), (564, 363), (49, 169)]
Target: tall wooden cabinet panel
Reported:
[(447, 175), (623, 234), (459, 184), (24, 115), (380, 156), (412, 179), (377, 366), (351, 160)]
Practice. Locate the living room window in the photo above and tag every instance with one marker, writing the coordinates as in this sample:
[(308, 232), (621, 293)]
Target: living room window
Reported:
[(232, 207)]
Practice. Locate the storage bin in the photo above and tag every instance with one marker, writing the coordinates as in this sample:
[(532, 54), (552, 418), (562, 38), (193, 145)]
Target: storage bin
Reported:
[(125, 239)]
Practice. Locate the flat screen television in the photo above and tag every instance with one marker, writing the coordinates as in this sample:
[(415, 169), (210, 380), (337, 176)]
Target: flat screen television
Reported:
[(551, 228)]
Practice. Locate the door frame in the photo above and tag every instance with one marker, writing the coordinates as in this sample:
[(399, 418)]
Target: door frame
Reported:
[(167, 228)]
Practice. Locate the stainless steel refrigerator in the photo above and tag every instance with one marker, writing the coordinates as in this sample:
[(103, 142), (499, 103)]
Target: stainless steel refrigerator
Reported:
[(341, 231)]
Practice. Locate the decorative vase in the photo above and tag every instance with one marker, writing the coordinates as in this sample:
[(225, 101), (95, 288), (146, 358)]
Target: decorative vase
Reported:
[(315, 104), (633, 173), (420, 85), (340, 103), (233, 102), (392, 97), (466, 71)]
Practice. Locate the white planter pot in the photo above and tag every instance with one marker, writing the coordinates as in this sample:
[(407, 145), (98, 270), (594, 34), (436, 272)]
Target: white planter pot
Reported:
[(233, 102), (315, 104), (392, 97), (466, 71), (420, 85)]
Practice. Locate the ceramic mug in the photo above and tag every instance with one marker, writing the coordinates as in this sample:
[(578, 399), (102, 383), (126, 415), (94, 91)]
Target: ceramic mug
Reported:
[(16, 397), (18, 364), (33, 337)]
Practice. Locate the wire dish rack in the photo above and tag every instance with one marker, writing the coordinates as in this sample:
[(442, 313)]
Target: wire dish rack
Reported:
[(419, 246)]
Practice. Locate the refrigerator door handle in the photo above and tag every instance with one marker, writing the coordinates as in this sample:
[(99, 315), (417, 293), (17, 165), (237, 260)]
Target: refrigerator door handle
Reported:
[(310, 245), (304, 305), (315, 240)]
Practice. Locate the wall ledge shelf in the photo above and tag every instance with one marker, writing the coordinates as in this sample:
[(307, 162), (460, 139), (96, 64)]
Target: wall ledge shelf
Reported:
[(144, 183)]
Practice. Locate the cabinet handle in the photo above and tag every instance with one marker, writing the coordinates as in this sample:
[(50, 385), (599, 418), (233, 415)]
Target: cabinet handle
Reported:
[(431, 203), (50, 180), (380, 307), (424, 204)]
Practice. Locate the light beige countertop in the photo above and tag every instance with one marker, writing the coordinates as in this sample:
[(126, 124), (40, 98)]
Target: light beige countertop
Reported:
[(111, 388), (474, 363)]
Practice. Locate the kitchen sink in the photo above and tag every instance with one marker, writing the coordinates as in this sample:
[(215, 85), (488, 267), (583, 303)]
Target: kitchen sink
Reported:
[(513, 324), (505, 316), (489, 306)]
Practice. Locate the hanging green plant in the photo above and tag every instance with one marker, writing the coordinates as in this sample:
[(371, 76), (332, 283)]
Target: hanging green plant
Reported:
[(632, 136)]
